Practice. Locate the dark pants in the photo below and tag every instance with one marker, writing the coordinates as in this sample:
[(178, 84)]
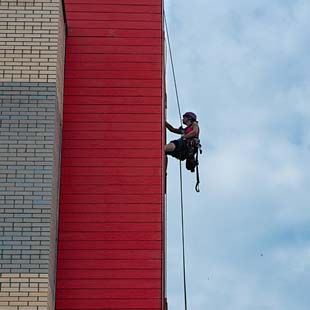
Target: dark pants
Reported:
[(180, 149)]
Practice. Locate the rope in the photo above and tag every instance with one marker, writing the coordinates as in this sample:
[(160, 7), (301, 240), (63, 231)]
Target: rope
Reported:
[(183, 239), (181, 179), (173, 71)]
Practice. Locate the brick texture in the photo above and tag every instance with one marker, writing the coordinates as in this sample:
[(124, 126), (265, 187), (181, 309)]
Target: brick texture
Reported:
[(29, 165), (60, 61), (29, 31), (27, 139), (32, 44), (23, 291)]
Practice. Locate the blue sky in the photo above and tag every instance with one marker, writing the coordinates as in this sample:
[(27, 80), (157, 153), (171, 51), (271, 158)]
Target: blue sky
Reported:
[(244, 68)]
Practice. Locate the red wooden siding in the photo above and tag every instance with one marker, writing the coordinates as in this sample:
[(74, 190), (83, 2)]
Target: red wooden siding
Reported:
[(111, 247)]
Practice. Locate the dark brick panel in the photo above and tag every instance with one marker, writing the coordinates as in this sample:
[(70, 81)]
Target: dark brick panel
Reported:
[(27, 122)]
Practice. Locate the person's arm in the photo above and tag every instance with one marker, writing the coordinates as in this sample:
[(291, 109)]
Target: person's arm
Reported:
[(174, 130), (193, 133)]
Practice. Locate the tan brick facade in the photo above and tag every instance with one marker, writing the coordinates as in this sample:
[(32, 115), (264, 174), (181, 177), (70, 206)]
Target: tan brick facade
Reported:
[(60, 60), (32, 47), (23, 291), (29, 32)]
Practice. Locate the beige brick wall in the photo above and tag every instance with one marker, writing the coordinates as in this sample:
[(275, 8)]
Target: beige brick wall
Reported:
[(29, 40), (60, 60), (32, 48), (23, 291)]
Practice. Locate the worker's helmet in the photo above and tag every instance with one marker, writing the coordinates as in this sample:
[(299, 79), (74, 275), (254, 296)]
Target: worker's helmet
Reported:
[(192, 116)]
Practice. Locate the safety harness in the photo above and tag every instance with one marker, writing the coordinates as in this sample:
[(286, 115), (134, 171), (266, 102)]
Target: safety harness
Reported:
[(189, 152)]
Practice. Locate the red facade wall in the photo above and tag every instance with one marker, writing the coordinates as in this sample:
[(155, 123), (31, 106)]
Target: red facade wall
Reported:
[(111, 247)]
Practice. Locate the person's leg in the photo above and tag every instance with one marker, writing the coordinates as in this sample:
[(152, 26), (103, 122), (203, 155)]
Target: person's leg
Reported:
[(170, 147)]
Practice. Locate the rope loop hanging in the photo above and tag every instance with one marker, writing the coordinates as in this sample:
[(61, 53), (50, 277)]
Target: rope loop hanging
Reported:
[(197, 175)]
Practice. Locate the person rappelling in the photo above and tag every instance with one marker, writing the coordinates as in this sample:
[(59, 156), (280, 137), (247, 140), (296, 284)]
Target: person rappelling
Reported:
[(187, 146)]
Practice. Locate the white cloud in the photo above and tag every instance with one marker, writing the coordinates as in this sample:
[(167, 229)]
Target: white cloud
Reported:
[(296, 259)]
